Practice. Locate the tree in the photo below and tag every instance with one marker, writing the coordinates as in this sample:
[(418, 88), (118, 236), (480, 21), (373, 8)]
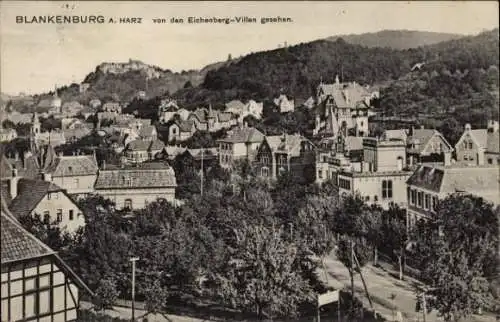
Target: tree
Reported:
[(262, 275), (456, 251), (48, 232), (106, 294), (155, 296)]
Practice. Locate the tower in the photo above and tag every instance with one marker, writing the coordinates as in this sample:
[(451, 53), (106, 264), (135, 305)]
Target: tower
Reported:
[(35, 130)]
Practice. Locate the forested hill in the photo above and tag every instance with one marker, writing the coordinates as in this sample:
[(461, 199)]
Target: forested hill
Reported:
[(296, 70), (397, 39)]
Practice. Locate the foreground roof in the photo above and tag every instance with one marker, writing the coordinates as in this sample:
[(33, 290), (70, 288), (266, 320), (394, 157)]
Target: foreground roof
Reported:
[(30, 193), (479, 180)]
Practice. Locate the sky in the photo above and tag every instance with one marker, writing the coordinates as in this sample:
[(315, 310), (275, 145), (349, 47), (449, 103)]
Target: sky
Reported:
[(36, 57)]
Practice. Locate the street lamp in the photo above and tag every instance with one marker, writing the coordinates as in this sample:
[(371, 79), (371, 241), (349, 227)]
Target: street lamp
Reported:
[(133, 260)]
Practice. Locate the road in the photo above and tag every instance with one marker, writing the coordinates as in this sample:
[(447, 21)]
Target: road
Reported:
[(381, 283)]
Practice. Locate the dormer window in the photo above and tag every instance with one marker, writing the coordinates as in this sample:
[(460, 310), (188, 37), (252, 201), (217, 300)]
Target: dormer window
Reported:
[(70, 169)]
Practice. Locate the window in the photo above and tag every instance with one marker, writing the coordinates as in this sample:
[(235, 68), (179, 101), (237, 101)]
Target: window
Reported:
[(345, 184), (367, 198), (420, 197), (408, 194), (386, 189), (46, 217), (413, 197), (434, 203), (490, 161), (320, 174), (71, 214), (77, 182), (59, 215), (470, 145), (49, 196), (128, 204), (375, 198), (427, 203), (265, 171)]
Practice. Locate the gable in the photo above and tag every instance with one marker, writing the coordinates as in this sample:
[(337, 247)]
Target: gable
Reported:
[(467, 138), (436, 144)]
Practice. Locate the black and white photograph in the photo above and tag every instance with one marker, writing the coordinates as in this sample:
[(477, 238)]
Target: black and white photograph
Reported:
[(240, 161)]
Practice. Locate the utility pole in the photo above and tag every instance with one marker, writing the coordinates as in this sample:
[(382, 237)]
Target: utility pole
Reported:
[(133, 260), (352, 277), (201, 181)]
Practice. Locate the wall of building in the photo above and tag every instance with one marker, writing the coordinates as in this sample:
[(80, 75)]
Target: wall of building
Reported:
[(58, 201), (139, 197), (467, 150), (76, 184), (385, 158), (37, 290), (370, 187)]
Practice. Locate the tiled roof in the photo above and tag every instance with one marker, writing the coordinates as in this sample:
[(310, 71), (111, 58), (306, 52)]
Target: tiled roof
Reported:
[(201, 114), (395, 134), (493, 142), (147, 175), (236, 105), (30, 193), (138, 145), (290, 144), (147, 131), (16, 242), (346, 95), (420, 137), (244, 135), (156, 145), (479, 180), (481, 137), (185, 126), (78, 133), (75, 165)]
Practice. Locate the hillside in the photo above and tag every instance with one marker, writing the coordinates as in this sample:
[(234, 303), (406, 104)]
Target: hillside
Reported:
[(397, 39), (298, 69), (123, 81)]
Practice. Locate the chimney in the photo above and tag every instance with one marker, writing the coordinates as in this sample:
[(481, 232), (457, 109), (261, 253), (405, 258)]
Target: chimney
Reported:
[(46, 177), (13, 184), (467, 127), (447, 158)]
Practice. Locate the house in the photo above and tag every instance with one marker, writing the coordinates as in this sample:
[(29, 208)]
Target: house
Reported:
[(430, 183), (71, 108), (113, 107), (200, 118), (193, 158), (180, 130), (235, 107), (286, 153), (134, 187), (37, 285), (348, 102), (243, 110), (284, 105), (19, 118), (212, 120), (73, 135), (148, 132), (139, 151), (74, 173), (240, 143), (95, 103), (167, 109), (47, 201), (52, 105), (53, 138), (70, 123), (336, 153), (479, 146), (7, 135), (381, 178), (426, 145)]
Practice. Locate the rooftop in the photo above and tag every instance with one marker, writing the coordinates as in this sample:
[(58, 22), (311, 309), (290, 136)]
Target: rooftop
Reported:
[(244, 135), (144, 175)]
